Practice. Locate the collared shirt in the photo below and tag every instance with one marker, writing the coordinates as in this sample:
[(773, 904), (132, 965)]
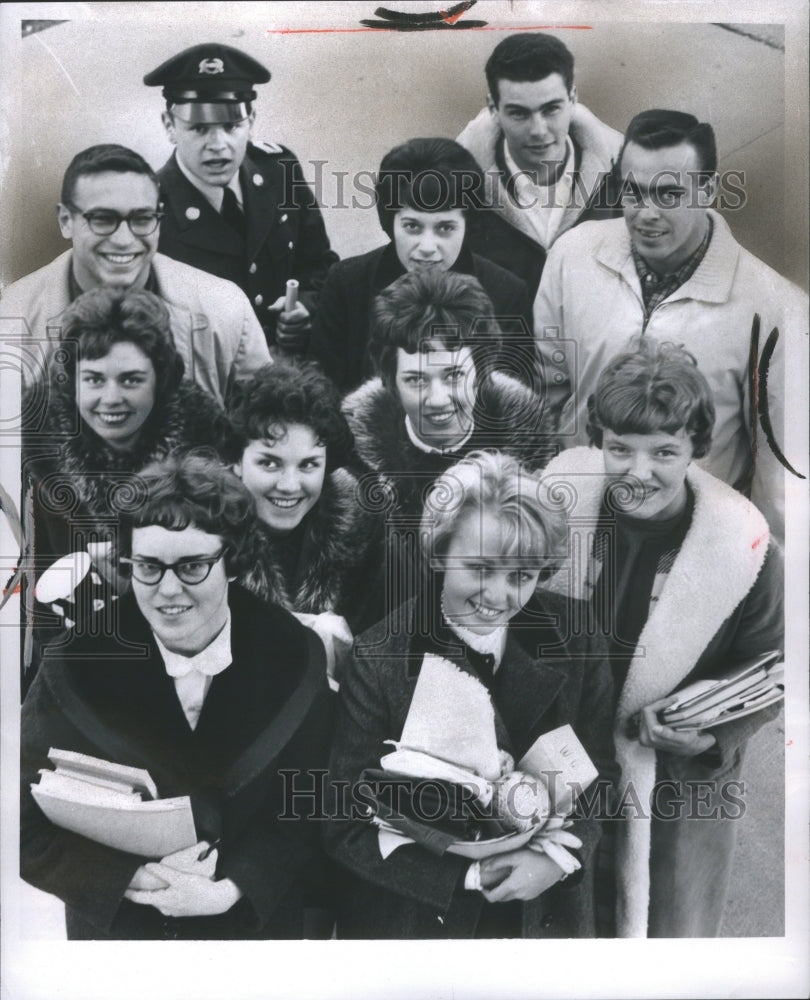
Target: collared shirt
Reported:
[(544, 204), (487, 644), (428, 449), (657, 287), (193, 674), (212, 192)]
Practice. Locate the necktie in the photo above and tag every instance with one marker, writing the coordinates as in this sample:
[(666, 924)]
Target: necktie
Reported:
[(231, 212)]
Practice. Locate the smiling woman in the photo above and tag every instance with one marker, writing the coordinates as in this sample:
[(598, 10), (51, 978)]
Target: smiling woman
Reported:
[(115, 400)]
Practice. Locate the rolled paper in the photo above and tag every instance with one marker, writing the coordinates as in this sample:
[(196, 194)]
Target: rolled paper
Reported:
[(291, 297), (521, 800)]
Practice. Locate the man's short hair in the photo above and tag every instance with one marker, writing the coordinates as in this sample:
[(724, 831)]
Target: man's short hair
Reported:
[(196, 490), (106, 158), (101, 317), (425, 307), (429, 175), (528, 56), (659, 128), (285, 393), (655, 388), (495, 482)]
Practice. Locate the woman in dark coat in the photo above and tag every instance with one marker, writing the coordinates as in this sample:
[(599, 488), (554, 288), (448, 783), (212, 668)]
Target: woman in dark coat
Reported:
[(428, 195), (318, 548), (486, 537), (686, 583), (216, 694)]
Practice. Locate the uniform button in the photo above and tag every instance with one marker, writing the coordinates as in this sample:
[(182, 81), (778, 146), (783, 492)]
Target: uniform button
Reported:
[(192, 213), (258, 180), (259, 299), (290, 245), (547, 920), (283, 218), (252, 268)]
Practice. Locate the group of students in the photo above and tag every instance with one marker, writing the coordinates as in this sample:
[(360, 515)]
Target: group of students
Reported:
[(263, 535)]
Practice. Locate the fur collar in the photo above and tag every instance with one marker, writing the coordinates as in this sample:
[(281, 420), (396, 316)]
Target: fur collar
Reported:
[(339, 532), (509, 408), (716, 567), (79, 462)]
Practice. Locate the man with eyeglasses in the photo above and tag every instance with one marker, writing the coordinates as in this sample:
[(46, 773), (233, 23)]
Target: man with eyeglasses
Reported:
[(672, 270), (110, 211), (237, 208)]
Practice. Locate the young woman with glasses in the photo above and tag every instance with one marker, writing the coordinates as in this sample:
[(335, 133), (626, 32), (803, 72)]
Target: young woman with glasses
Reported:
[(216, 694)]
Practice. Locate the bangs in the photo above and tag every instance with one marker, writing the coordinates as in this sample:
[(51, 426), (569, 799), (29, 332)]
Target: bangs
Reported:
[(666, 411)]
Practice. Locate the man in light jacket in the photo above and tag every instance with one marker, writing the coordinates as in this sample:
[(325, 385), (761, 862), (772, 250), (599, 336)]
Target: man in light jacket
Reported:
[(673, 270), (546, 158), (109, 210)]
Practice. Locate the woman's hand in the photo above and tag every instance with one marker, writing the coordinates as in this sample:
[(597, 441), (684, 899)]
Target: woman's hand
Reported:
[(185, 894), (529, 874), (655, 734), (334, 632)]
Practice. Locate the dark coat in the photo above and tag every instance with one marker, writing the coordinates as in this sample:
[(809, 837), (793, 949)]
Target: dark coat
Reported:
[(125, 708), (414, 893), (341, 331), (286, 236), (340, 557)]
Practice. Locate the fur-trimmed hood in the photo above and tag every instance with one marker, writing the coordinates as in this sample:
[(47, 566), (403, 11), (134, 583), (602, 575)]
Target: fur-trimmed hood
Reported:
[(597, 147), (716, 567), (74, 465), (342, 539), (508, 416)]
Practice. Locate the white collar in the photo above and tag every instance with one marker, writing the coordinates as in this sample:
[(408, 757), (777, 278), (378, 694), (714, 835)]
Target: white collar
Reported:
[(523, 177), (417, 442), (489, 644), (210, 661), (212, 193)]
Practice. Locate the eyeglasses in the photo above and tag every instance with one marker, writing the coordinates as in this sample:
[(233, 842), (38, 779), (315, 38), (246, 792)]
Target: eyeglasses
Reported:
[(104, 221), (188, 571)]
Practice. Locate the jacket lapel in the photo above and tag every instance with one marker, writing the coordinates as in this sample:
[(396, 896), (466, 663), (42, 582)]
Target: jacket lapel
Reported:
[(195, 219), (262, 193)]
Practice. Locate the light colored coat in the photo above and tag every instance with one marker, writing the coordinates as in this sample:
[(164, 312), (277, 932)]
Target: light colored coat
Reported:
[(590, 305), (721, 603), (214, 327)]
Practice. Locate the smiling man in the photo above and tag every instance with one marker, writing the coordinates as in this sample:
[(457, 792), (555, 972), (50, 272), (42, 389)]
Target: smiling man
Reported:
[(237, 209), (110, 211), (547, 158), (673, 270)]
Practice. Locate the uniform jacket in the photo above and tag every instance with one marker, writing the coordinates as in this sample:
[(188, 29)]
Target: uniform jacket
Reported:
[(341, 331), (414, 893), (214, 328), (124, 708), (285, 234), (340, 557), (508, 417), (591, 296), (721, 604), (76, 476), (506, 235)]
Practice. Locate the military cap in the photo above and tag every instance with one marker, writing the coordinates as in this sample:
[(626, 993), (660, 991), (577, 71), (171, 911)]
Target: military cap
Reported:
[(209, 83)]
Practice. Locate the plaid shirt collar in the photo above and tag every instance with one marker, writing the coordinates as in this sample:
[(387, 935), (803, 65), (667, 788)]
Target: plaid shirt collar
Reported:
[(657, 287)]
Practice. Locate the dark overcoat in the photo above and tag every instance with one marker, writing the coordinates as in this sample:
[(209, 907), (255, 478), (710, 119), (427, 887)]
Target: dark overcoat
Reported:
[(549, 676), (285, 233), (111, 697), (340, 333)]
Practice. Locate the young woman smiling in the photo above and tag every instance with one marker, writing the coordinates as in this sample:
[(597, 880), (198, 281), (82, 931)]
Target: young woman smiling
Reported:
[(318, 546), (685, 582)]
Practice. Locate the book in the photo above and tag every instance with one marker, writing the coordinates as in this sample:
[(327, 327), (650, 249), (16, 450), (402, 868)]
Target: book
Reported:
[(104, 802)]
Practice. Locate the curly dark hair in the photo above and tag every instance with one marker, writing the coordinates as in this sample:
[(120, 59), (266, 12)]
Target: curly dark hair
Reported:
[(288, 393), (428, 306), (429, 175), (97, 319), (655, 387), (195, 489)]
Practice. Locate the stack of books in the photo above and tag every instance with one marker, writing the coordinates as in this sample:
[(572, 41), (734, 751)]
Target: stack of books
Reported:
[(747, 688)]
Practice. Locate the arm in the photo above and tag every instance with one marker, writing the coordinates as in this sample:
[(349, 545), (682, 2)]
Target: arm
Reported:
[(252, 351), (365, 719), (313, 253), (549, 330), (330, 331)]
